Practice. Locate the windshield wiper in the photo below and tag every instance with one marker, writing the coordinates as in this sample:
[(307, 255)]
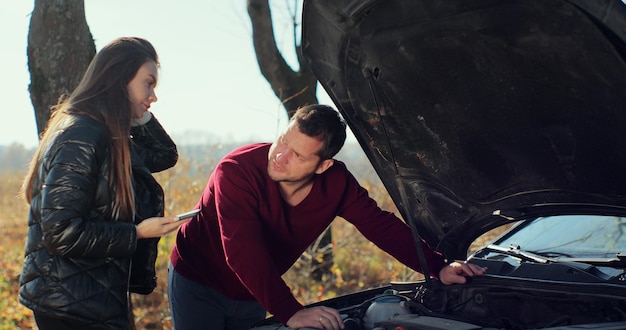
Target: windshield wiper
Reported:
[(618, 261), (515, 251)]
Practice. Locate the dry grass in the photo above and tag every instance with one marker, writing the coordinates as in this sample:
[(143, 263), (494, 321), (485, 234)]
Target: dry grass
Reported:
[(13, 233)]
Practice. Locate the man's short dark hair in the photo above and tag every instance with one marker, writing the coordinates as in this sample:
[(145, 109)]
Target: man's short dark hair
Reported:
[(324, 123)]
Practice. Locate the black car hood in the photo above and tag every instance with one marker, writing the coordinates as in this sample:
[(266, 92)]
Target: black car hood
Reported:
[(476, 113)]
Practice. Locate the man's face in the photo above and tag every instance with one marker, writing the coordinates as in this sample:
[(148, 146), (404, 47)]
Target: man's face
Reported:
[(292, 157)]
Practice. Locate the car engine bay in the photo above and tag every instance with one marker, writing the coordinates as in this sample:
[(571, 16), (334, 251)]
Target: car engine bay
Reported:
[(492, 301)]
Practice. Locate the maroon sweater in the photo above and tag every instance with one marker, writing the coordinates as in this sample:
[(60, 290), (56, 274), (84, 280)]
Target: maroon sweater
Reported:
[(247, 236)]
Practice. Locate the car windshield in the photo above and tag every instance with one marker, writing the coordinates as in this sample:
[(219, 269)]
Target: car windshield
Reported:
[(572, 236)]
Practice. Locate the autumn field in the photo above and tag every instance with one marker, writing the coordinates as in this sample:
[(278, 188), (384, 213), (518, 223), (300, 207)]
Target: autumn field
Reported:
[(358, 264)]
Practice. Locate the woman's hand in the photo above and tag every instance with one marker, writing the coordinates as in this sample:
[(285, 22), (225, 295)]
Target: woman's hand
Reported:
[(158, 226), (145, 117)]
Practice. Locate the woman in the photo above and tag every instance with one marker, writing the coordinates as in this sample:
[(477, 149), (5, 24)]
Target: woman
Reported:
[(95, 208)]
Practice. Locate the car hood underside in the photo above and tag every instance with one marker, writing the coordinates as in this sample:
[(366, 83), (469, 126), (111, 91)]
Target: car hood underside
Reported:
[(476, 113)]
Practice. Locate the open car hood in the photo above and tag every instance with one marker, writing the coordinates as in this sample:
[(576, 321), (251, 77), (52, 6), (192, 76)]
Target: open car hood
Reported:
[(476, 113)]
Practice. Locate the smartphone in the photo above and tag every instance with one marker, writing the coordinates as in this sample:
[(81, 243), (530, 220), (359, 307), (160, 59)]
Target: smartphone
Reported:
[(187, 215)]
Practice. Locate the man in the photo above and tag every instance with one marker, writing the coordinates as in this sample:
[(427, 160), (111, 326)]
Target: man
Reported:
[(262, 207)]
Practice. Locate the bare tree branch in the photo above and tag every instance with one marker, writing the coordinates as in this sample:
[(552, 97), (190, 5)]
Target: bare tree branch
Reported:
[(293, 88)]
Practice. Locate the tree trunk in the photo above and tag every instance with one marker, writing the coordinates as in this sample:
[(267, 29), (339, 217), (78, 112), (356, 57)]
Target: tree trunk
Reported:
[(294, 89), (60, 47)]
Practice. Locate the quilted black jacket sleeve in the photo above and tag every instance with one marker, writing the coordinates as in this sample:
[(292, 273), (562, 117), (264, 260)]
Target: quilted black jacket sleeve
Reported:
[(154, 146), (152, 151)]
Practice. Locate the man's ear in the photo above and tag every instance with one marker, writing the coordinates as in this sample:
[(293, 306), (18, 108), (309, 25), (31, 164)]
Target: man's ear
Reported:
[(324, 165)]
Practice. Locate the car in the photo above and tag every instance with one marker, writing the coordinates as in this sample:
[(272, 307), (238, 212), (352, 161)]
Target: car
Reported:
[(479, 114)]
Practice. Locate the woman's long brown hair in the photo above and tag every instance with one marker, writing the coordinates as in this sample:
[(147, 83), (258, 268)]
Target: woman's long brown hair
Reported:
[(102, 94)]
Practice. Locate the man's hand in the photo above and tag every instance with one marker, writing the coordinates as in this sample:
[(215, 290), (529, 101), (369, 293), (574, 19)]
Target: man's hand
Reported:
[(456, 272), (316, 317)]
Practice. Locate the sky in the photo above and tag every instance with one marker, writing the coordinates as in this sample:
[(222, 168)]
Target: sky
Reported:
[(210, 88)]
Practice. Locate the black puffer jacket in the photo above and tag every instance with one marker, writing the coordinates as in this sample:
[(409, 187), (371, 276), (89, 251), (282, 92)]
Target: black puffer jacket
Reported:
[(153, 151), (78, 258)]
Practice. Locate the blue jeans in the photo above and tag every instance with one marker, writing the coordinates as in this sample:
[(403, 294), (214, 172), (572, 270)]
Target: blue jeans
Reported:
[(194, 306)]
